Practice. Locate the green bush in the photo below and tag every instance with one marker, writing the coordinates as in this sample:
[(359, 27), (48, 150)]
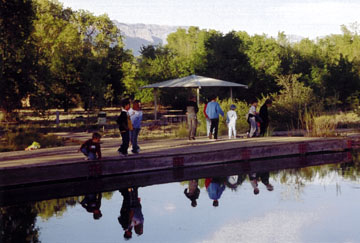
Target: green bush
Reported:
[(291, 104)]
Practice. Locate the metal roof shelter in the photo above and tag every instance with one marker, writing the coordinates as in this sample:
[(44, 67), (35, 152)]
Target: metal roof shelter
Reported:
[(192, 81)]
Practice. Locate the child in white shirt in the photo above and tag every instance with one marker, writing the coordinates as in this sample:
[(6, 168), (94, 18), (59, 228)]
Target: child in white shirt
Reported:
[(231, 118)]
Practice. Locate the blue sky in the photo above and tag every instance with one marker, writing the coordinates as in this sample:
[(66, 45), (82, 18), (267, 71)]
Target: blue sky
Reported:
[(307, 18)]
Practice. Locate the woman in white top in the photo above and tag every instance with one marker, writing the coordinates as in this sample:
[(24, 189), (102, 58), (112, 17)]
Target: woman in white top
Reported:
[(252, 119)]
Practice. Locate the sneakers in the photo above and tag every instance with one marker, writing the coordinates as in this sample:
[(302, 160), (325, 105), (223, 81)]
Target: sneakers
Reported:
[(122, 154)]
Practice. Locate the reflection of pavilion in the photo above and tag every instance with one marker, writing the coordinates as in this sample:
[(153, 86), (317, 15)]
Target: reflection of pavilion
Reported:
[(43, 192)]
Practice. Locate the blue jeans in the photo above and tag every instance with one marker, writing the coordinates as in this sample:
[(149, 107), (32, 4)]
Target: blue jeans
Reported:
[(134, 139), (90, 155)]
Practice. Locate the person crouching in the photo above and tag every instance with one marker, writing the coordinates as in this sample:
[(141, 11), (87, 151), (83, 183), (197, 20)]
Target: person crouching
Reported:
[(91, 147)]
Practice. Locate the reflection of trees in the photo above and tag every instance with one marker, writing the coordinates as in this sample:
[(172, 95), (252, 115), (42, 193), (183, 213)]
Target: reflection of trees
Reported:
[(57, 207), (47, 209), (17, 224)]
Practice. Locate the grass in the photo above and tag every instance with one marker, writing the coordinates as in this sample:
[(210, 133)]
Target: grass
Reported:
[(21, 139), (328, 125)]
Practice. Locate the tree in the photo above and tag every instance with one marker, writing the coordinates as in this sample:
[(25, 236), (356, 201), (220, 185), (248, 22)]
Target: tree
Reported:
[(16, 52)]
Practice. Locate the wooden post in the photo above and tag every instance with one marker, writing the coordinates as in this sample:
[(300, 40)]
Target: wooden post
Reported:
[(155, 104), (231, 94), (198, 96)]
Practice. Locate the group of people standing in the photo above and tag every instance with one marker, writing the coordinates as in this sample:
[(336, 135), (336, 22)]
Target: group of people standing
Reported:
[(129, 122), (212, 112)]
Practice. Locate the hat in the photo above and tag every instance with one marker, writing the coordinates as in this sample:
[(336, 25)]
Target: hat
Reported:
[(232, 107)]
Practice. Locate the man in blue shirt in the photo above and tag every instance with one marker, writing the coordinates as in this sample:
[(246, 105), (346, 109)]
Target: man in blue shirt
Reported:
[(213, 110)]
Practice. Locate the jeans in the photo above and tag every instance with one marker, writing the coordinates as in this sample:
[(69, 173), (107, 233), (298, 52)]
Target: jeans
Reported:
[(89, 154), (134, 139), (253, 127)]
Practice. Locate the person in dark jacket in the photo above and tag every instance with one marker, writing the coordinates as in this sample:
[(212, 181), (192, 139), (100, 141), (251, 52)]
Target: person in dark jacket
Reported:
[(125, 126), (92, 204), (264, 117), (131, 215), (91, 147)]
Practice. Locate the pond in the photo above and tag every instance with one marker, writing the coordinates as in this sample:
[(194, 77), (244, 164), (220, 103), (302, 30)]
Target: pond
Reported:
[(298, 199)]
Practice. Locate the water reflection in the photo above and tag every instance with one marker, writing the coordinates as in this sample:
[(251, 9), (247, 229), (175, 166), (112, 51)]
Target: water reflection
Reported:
[(193, 192), (263, 177), (19, 222), (131, 216), (215, 187), (92, 204)]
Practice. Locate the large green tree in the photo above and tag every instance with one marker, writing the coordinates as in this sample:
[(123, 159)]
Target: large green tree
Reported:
[(16, 52)]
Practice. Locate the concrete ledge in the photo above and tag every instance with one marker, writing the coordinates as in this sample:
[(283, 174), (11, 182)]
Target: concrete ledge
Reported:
[(182, 155)]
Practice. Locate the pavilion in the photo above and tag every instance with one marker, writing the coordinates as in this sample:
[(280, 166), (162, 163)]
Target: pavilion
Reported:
[(192, 81)]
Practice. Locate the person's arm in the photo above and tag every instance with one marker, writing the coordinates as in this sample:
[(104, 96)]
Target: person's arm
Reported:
[(98, 151), (221, 112)]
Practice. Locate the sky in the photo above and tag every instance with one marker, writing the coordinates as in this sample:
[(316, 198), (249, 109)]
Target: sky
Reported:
[(306, 18)]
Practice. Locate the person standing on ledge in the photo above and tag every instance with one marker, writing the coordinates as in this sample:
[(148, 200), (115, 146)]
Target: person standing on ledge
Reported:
[(125, 126), (191, 111), (213, 110), (264, 117)]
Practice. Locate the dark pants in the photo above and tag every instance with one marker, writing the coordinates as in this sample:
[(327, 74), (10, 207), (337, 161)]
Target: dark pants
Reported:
[(125, 142), (263, 128), (214, 127)]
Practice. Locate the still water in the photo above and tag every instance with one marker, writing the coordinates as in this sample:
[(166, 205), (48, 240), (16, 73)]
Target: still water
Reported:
[(315, 200)]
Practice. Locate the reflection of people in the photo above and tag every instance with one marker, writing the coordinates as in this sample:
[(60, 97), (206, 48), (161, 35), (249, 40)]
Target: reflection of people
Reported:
[(213, 110), (136, 117), (231, 118), (92, 204), (192, 192), (191, 111), (125, 126), (264, 177), (264, 116), (91, 147), (234, 181), (215, 188), (130, 213)]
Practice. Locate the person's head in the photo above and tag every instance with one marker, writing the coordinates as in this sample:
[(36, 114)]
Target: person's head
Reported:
[(193, 203), (127, 234), (254, 102), (137, 105), (97, 214), (125, 103), (268, 102), (232, 107), (96, 137), (139, 229), (213, 98), (269, 187), (215, 203)]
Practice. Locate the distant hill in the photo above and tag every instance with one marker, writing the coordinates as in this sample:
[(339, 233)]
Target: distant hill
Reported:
[(137, 35)]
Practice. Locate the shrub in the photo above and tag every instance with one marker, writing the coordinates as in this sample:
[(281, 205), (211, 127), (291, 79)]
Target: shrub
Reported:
[(291, 103)]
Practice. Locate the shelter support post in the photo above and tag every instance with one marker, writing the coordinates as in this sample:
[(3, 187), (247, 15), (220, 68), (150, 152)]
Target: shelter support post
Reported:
[(231, 96), (155, 103), (198, 96)]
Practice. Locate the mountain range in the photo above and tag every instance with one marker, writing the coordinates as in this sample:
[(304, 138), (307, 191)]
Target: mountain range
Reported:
[(138, 35)]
